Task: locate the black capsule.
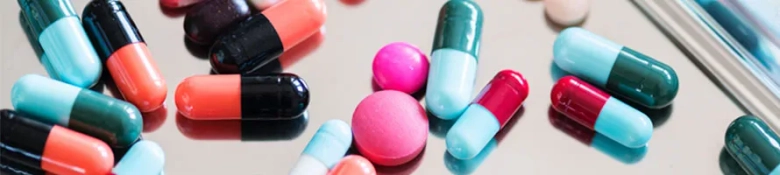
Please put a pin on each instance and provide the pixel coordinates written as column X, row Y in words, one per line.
column 207, row 20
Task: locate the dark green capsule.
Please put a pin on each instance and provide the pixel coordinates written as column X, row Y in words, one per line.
column 459, row 27
column 729, row 166
column 753, row 145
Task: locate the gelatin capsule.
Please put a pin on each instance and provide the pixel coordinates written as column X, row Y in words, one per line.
column 453, row 68
column 116, row 122
column 598, row 111
column 489, row 112
column 206, row 21
column 616, row 68
column 143, row 158
column 325, row 149
column 753, row 144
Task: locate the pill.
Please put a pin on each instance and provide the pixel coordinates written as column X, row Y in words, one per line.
column 34, row 42
column 206, row 21
column 263, row 37
column 453, row 68
column 489, row 112
column 353, row 165
column 143, row 158
column 598, row 111
column 52, row 148
column 70, row 56
column 179, row 3
column 618, row 69
column 753, row 145
column 120, row 45
column 400, row 66
column 593, row 139
column 729, row 166
column 390, row 127
column 325, row 149
column 116, row 122
column 567, row 12
column 243, row 130
column 12, row 167
column 279, row 96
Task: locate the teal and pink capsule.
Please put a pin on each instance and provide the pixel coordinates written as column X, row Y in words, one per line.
column 116, row 122
column 325, row 149
column 453, row 66
column 753, row 144
column 619, row 70
column 496, row 104
column 68, row 54
column 143, row 158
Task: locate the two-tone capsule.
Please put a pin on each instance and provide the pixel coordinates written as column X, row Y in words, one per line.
column 596, row 140
column 243, row 130
column 280, row 96
column 143, row 158
column 598, row 111
column 753, row 144
column 116, row 122
column 489, row 112
column 70, row 56
column 453, row 68
column 325, row 149
column 265, row 36
column 121, row 46
column 52, row 148
column 616, row 68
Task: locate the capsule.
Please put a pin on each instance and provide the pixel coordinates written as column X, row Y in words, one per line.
column 353, row 165
column 598, row 111
column 598, row 141
column 52, row 148
column 143, row 158
column 616, row 68
column 453, row 68
column 325, row 149
column 753, row 145
column 70, row 56
column 243, row 130
column 116, row 122
column 263, row 37
column 489, row 112
column 729, row 166
column 205, row 21
column 121, row 46
column 280, row 96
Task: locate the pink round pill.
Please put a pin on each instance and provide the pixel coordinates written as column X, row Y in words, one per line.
column 390, row 128
column 400, row 66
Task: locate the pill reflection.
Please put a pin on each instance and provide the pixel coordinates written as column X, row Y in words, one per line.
column 593, row 139
column 11, row 167
column 244, row 130
column 728, row 165
column 403, row 169
column 154, row 119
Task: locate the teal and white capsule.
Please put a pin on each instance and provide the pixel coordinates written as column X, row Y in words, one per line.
column 454, row 59
column 325, row 150
column 116, row 122
column 69, row 55
column 143, row 158
column 618, row 69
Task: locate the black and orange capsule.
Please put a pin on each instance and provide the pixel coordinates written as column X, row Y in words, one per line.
column 226, row 97
column 52, row 148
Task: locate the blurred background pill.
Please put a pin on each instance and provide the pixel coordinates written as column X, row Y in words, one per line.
column 567, row 12
column 206, row 21
column 179, row 3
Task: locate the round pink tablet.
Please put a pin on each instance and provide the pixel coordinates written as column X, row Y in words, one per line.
column 390, row 128
column 400, row 66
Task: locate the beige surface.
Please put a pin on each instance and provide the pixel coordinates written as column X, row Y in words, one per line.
column 515, row 36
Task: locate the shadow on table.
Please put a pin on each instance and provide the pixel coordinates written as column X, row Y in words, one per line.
column 243, row 130
column 419, row 95
column 594, row 139
column 657, row 116
column 468, row 166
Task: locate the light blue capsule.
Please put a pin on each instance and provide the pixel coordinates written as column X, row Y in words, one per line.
column 69, row 53
column 590, row 58
column 330, row 143
column 471, row 132
column 64, row 97
column 624, row 124
column 451, row 80
column 143, row 158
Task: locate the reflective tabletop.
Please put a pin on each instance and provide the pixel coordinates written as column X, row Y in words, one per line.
column 336, row 65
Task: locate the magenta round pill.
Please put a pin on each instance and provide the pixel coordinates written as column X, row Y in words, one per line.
column 390, row 128
column 400, row 66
